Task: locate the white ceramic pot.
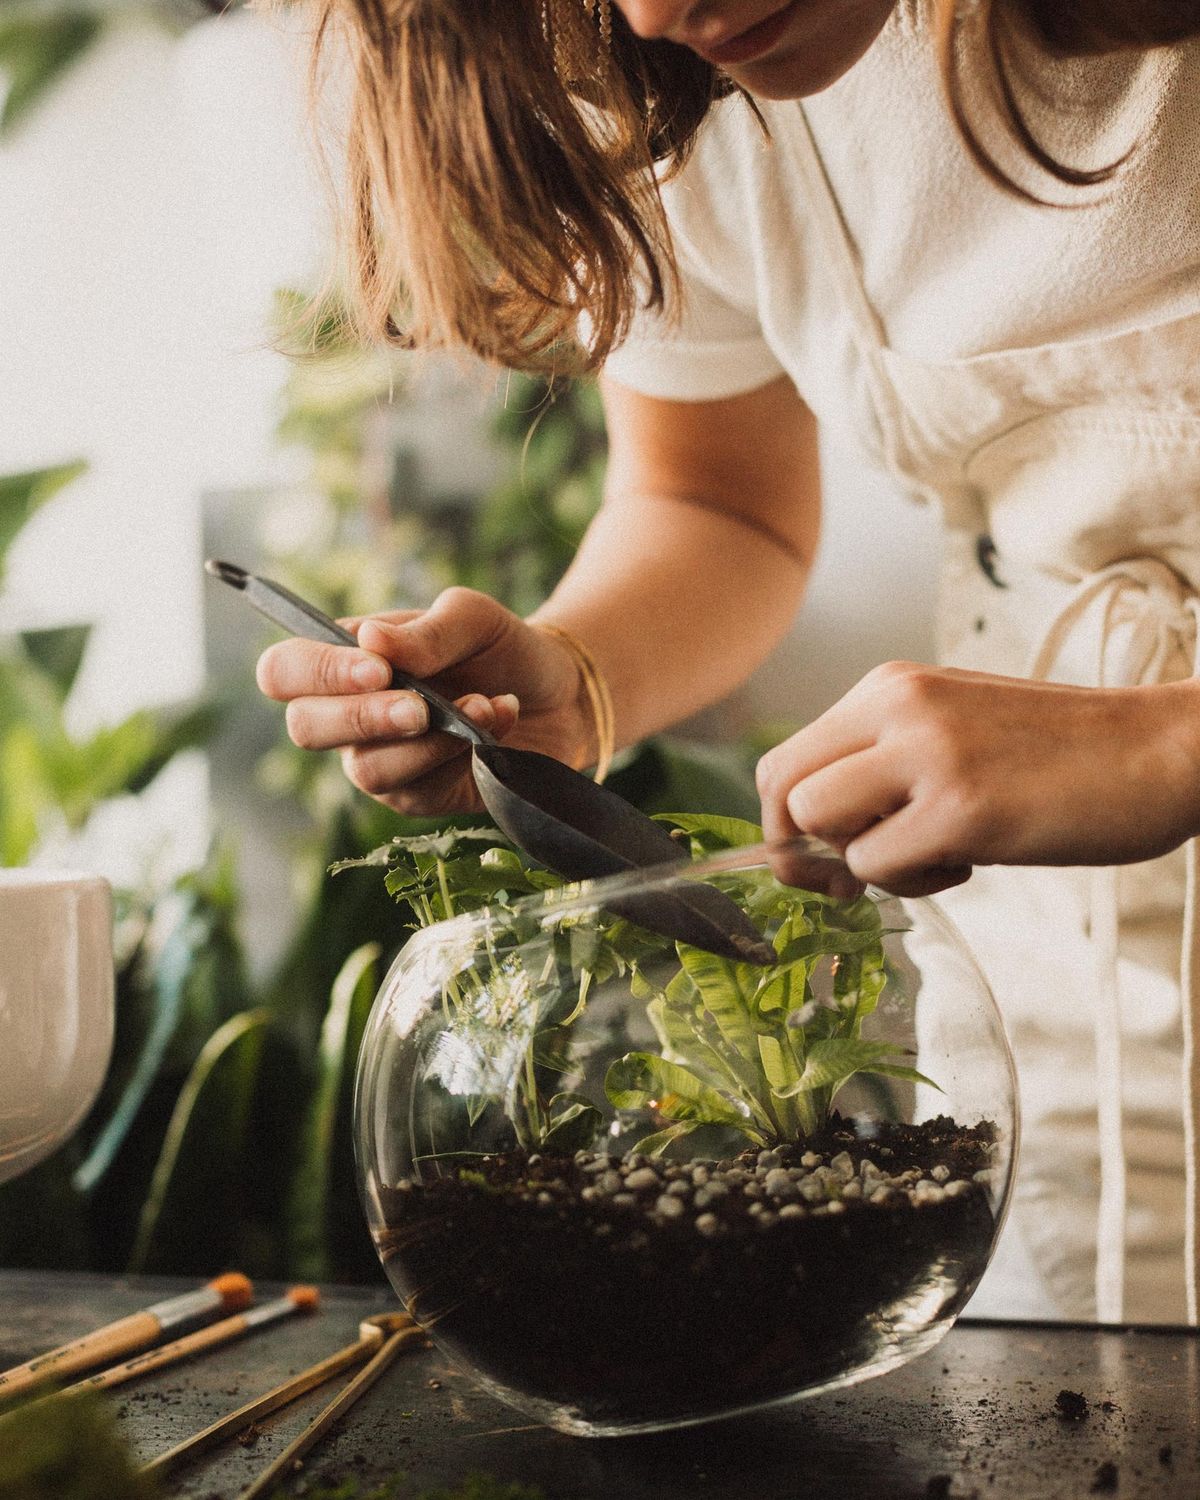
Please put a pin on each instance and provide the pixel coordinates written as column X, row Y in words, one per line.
column 56, row 1008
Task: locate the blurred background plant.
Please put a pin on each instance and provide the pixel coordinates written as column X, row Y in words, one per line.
column 41, row 39
column 226, row 1086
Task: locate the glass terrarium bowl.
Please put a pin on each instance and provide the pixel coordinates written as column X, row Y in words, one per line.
column 629, row 1184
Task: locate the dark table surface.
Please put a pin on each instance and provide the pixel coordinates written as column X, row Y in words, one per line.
column 976, row 1417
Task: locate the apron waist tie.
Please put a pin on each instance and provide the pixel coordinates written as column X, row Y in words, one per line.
column 1112, row 584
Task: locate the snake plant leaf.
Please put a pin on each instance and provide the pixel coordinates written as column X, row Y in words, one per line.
column 192, row 1215
column 324, row 1157
column 640, row 1080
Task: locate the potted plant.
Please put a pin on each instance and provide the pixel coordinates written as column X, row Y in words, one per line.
column 632, row 1184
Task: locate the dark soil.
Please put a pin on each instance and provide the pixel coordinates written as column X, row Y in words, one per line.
column 631, row 1292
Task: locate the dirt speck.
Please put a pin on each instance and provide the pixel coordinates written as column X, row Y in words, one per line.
column 1071, row 1406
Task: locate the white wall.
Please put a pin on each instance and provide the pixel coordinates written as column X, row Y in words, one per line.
column 147, row 212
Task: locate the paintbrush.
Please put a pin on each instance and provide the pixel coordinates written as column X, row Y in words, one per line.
column 297, row 1299
column 139, row 1330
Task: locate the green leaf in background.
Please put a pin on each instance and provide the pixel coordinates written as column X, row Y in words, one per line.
column 34, row 51
column 57, row 653
column 22, row 494
column 190, row 1218
column 67, row 1448
column 318, row 1209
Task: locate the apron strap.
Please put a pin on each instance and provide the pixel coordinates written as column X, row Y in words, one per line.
column 1190, row 989
column 1113, row 582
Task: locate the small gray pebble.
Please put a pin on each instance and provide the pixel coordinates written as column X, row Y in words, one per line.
column 736, row 1174
column 778, row 1181
column 928, row 1192
column 956, row 1189
column 769, row 1159
column 883, row 1194
column 842, row 1166
column 642, row 1179
column 708, row 1224
column 713, row 1193
column 810, row 1159
column 634, row 1159
column 624, row 1200
column 611, row 1182
column 680, row 1189
column 751, row 1190
column 600, row 1164
column 545, row 1200
column 811, row 1190
column 766, row 1219
column 699, row 1176
column 757, row 1208
column 668, row 1208
column 987, row 1176
column 852, row 1189
column 833, row 1208
column 792, row 1211
column 940, row 1174
column 590, row 1194
column 867, row 1168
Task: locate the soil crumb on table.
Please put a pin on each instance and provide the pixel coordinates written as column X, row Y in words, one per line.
column 1071, row 1406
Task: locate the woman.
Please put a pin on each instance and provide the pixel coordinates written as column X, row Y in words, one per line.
column 1000, row 298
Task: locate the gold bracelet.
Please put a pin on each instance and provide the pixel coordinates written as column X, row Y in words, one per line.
column 599, row 695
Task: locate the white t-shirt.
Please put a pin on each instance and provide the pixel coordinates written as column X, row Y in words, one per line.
column 952, row 264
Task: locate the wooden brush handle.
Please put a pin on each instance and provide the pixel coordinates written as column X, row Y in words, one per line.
column 169, row 1354
column 105, row 1344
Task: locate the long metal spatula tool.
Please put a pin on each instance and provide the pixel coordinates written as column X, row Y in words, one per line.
column 556, row 815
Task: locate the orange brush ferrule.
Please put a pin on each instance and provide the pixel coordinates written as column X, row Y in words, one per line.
column 137, row 1331
column 299, row 1299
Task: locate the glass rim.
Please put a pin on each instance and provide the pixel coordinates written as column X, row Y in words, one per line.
column 589, row 893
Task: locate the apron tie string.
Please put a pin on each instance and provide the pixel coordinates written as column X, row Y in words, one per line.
column 1114, row 583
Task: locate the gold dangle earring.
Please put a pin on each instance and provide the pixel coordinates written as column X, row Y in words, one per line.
column 600, row 11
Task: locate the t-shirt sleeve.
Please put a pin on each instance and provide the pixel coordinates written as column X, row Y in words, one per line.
column 713, row 348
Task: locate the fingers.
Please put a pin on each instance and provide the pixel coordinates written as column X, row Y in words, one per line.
column 842, row 800
column 298, row 668
column 358, row 718
column 911, row 853
column 406, row 775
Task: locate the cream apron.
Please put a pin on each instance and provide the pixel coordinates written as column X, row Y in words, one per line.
column 1069, row 479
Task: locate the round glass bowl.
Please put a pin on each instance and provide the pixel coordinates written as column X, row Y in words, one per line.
column 629, row 1184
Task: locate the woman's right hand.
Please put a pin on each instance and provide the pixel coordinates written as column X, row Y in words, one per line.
column 507, row 676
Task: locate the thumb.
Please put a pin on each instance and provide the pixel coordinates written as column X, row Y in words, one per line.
column 458, row 624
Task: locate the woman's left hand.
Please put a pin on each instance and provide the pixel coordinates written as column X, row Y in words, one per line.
column 919, row 773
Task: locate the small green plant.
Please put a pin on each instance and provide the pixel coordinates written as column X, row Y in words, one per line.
column 745, row 1047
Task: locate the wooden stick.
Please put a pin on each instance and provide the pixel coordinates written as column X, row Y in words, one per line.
column 406, row 1338
column 225, row 1294
column 298, row 1299
column 371, row 1336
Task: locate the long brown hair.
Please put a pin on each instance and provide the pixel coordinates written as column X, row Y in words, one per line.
column 503, row 164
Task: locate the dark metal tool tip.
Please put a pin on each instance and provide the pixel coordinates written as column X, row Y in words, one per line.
column 227, row 572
